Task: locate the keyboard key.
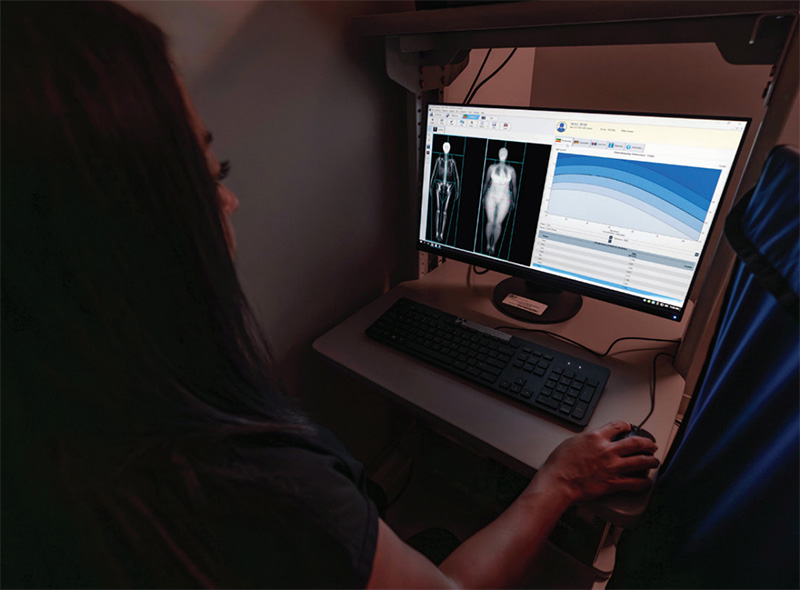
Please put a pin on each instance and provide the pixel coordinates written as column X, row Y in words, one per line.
column 490, row 369
column 497, row 363
column 546, row 401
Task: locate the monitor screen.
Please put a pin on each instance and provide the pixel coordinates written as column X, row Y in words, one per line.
column 615, row 206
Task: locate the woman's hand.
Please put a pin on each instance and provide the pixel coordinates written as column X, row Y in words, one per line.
column 590, row 464
column 500, row 555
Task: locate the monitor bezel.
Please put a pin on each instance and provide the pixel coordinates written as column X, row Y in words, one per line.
column 554, row 282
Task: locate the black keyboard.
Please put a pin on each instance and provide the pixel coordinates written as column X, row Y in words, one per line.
column 550, row 381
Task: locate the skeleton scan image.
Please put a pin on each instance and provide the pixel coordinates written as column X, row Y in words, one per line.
column 477, row 189
column 444, row 190
column 499, row 194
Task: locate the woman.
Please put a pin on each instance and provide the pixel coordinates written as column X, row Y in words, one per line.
column 144, row 441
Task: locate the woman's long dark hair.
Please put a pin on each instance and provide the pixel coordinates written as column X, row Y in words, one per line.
column 123, row 320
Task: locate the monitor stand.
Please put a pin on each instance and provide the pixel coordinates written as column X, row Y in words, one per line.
column 561, row 305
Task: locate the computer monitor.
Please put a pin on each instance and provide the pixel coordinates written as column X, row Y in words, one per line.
column 615, row 206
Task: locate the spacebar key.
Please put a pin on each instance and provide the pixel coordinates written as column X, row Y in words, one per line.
column 429, row 355
column 488, row 377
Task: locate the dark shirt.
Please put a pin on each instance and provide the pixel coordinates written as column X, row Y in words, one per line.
column 249, row 511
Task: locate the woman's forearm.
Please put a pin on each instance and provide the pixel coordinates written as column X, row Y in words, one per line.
column 500, row 554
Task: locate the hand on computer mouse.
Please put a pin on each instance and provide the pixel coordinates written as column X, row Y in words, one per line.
column 634, row 431
column 593, row 464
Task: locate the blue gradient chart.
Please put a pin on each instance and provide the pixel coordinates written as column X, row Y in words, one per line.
column 664, row 199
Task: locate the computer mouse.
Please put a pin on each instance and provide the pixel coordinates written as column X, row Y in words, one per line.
column 634, row 431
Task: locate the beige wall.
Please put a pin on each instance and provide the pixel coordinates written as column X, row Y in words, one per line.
column 315, row 134
column 510, row 87
column 681, row 78
column 791, row 131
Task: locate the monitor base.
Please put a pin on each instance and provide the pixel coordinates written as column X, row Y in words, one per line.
column 561, row 305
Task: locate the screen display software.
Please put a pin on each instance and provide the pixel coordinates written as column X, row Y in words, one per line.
column 618, row 202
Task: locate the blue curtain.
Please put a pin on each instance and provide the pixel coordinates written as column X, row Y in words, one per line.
column 725, row 511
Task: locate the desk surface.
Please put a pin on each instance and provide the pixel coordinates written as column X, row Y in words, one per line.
column 521, row 436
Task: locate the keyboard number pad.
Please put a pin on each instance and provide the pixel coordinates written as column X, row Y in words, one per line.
column 568, row 393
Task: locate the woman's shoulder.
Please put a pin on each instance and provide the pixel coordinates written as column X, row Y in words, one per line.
column 292, row 468
column 272, row 510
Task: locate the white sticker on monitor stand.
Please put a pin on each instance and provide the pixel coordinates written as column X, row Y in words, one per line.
column 524, row 304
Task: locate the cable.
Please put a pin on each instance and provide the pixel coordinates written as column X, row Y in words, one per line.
column 636, row 338
column 489, row 77
column 478, row 75
column 472, row 269
column 608, row 350
column 653, row 387
column 586, row 348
